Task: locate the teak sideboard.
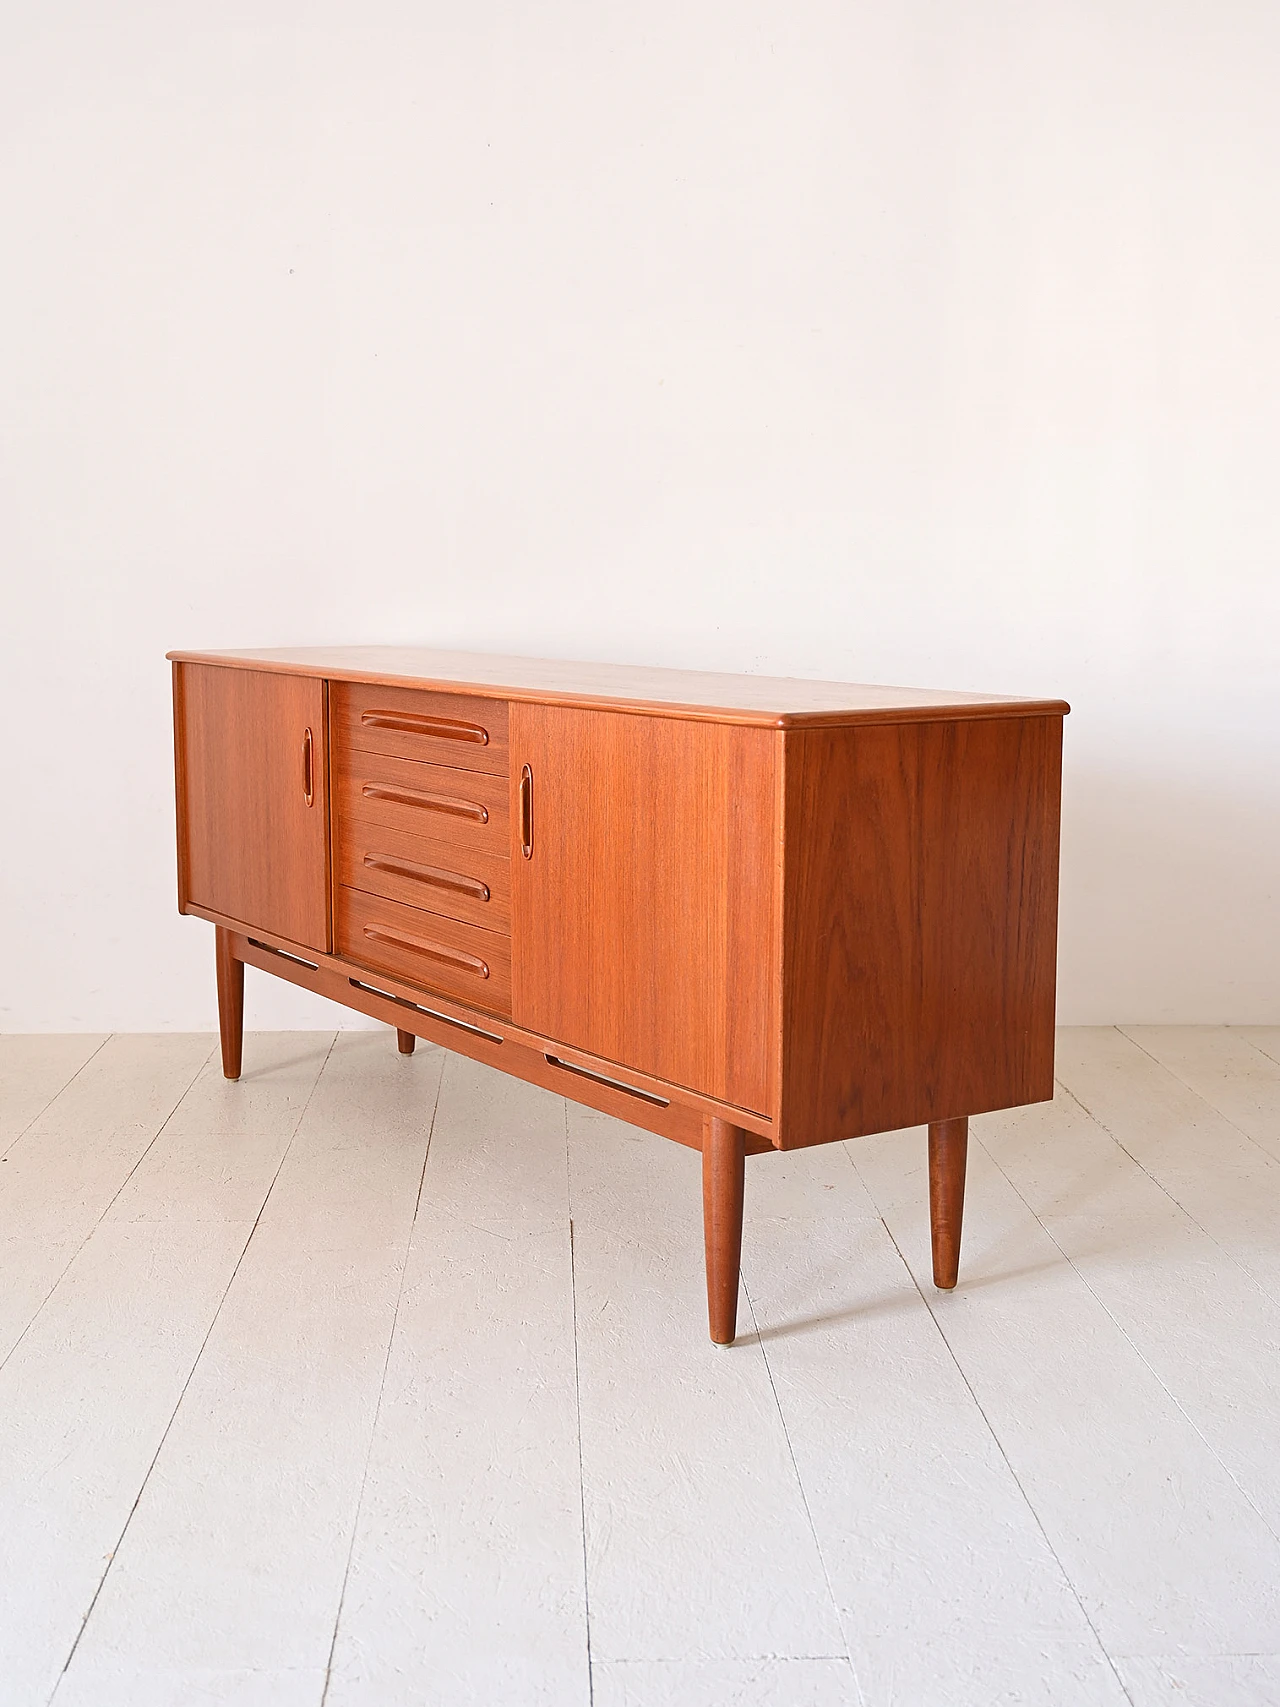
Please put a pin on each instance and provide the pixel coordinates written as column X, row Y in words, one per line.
column 747, row 914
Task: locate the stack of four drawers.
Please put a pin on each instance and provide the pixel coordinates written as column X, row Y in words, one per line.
column 421, row 842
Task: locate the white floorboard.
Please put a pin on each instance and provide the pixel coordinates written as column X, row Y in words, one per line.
column 466, row 1578
column 727, row 1683
column 1235, row 1069
column 306, row 1402
column 234, row 1558
column 948, row 1590
column 1226, row 1181
column 149, row 1685
column 1264, row 1038
column 699, row 1539
column 129, row 1087
column 1228, row 1680
column 1209, row 1332
column 1164, row 1550
column 84, row 1403
column 33, row 1069
column 59, row 1177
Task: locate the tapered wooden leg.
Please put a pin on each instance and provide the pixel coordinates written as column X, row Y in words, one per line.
column 948, row 1149
column 723, row 1159
column 405, row 1041
column 230, row 1003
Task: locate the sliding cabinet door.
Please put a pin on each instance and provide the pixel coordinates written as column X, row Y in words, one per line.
column 644, row 913
column 253, row 779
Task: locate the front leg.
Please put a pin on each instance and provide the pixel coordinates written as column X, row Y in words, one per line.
column 723, row 1170
column 230, row 1003
column 948, row 1152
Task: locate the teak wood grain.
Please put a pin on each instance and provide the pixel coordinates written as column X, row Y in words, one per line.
column 437, row 876
column 430, row 951
column 736, row 912
column 487, row 1039
column 948, row 1155
column 642, row 922
column 229, row 972
column 920, row 923
column 459, row 730
column 723, row 1180
column 253, row 845
column 344, row 981
column 467, row 809
column 773, row 700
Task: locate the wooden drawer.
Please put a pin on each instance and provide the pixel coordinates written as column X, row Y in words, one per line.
column 460, row 883
column 467, row 809
column 425, row 950
column 459, row 730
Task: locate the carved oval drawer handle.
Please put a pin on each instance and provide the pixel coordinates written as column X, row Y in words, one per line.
column 433, row 802
column 432, row 874
column 410, row 723
column 435, row 950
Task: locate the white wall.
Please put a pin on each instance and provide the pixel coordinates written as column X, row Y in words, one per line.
column 886, row 341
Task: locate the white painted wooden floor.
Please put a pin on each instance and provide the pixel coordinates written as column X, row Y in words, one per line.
column 376, row 1380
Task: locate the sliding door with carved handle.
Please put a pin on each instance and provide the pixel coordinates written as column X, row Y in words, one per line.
column 643, row 878
column 252, row 762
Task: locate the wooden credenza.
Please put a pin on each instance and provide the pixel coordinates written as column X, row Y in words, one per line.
column 747, row 914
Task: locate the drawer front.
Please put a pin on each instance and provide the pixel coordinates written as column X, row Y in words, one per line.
column 425, row 950
column 439, row 877
column 439, row 728
column 467, row 809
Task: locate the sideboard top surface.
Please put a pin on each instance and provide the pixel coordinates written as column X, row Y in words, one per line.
column 775, row 701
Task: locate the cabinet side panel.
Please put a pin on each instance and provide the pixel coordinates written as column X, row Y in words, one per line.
column 920, row 923
column 255, row 849
column 642, row 924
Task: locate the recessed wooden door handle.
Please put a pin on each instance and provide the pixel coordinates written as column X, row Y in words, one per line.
column 410, row 723
column 604, row 1079
column 526, row 812
column 308, row 779
column 428, row 874
column 420, row 945
column 435, row 802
